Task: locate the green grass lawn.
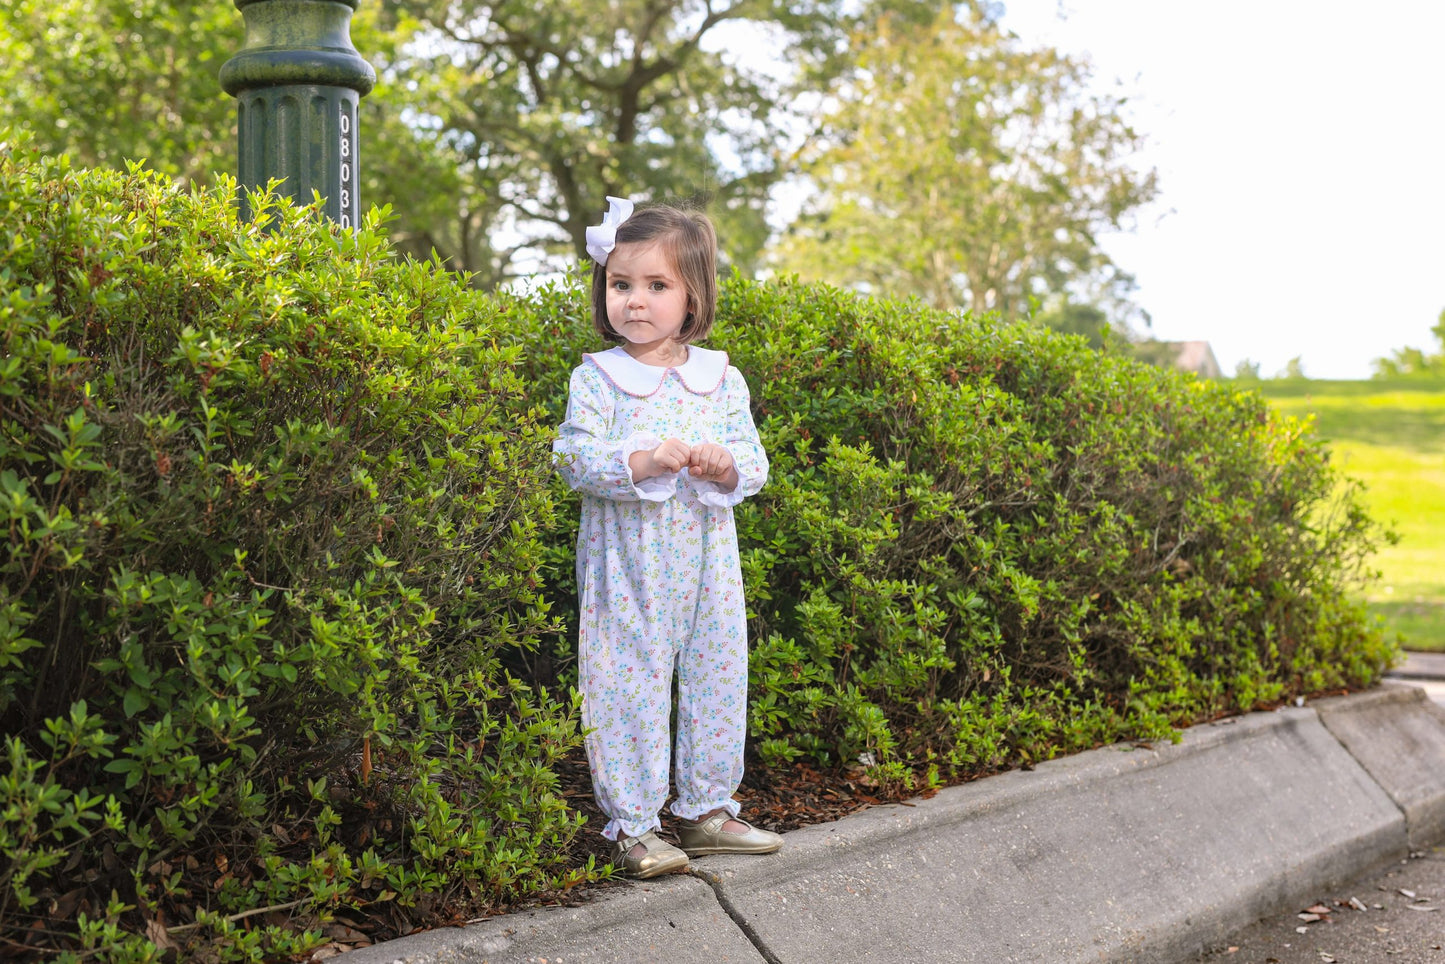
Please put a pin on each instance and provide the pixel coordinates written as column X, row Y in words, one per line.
column 1391, row 436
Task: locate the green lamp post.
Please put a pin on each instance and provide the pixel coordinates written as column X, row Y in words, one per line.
column 297, row 83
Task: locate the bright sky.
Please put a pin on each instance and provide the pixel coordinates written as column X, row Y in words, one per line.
column 1300, row 146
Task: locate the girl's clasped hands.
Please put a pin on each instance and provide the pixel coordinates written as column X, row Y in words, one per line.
column 706, row 462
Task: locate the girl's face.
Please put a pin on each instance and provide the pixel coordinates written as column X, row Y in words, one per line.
column 646, row 302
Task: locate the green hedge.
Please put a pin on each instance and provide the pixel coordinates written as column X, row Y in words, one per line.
column 983, row 545
column 273, row 501
column 288, row 600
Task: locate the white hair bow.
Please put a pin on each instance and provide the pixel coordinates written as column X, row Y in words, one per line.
column 602, row 238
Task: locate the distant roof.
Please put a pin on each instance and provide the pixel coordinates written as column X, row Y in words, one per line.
column 1195, row 356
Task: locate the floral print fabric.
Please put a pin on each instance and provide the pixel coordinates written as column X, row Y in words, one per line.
column 659, row 584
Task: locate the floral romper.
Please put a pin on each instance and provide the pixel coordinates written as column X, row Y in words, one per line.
column 659, row 583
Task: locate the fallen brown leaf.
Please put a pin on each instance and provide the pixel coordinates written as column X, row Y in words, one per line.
column 345, row 934
column 157, row 934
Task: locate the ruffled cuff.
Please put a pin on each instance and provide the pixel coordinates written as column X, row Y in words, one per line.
column 694, row 812
column 659, row 488
column 712, row 494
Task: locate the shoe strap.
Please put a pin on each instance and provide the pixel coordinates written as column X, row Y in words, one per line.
column 652, row 845
column 717, row 821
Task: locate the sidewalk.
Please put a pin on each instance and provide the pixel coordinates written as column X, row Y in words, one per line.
column 1427, row 666
column 1126, row 853
column 1425, row 670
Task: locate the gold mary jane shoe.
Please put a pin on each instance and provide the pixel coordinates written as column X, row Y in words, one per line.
column 658, row 857
column 707, row 836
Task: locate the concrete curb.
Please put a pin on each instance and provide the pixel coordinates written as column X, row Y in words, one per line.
column 644, row 921
column 1117, row 854
column 1398, row 735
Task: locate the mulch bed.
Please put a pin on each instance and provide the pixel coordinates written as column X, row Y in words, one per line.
column 778, row 800
column 774, row 799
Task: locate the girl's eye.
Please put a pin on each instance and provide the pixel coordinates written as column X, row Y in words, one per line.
column 620, row 285
column 659, row 286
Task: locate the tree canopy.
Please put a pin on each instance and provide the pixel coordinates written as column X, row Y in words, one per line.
column 949, row 161
column 528, row 116
column 1415, row 361
column 114, row 80
column 957, row 165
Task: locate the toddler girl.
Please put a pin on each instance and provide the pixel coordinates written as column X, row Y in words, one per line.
column 661, row 444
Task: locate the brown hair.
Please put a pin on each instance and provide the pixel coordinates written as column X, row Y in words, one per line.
column 691, row 244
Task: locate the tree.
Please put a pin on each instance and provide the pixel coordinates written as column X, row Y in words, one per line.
column 111, row 80
column 1294, row 370
column 1087, row 321
column 961, row 167
column 497, row 126
column 1414, row 361
column 522, row 117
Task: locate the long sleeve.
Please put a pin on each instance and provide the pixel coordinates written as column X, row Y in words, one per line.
column 740, row 438
column 590, row 461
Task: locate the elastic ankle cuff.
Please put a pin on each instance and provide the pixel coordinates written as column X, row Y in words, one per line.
column 732, row 807
column 617, row 829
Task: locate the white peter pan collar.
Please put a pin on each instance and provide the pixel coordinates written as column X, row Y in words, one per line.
column 701, row 374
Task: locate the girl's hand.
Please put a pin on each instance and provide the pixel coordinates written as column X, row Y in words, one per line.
column 667, row 458
column 713, row 463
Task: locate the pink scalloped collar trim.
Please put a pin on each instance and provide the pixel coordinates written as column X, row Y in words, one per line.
column 702, row 374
